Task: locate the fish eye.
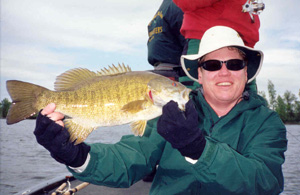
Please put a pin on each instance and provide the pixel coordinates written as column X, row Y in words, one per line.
column 174, row 84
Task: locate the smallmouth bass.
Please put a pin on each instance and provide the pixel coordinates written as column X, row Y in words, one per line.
column 109, row 97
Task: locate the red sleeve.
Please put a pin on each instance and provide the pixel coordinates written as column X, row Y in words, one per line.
column 192, row 5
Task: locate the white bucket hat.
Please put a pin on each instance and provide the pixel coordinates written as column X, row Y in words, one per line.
column 218, row 37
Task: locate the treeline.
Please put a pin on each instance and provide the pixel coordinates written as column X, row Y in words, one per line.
column 287, row 106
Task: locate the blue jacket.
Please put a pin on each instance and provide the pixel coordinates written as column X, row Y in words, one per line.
column 165, row 43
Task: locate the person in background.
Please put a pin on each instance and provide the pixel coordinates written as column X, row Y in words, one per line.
column 227, row 141
column 202, row 15
column 165, row 43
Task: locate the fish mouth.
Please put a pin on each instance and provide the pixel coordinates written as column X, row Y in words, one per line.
column 185, row 99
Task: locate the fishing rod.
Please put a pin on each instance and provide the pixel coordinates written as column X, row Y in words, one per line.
column 65, row 188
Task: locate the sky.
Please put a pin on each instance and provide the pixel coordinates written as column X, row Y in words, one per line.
column 42, row 39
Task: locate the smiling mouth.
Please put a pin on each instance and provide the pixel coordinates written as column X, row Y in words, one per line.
column 224, row 84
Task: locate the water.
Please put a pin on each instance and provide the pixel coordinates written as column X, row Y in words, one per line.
column 24, row 163
column 291, row 167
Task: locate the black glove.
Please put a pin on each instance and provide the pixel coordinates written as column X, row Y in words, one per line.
column 55, row 139
column 181, row 129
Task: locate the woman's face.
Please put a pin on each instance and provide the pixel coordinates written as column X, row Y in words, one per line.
column 223, row 86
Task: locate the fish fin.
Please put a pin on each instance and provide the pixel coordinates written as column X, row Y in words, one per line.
column 138, row 127
column 24, row 96
column 78, row 132
column 114, row 70
column 75, row 78
column 136, row 106
column 72, row 79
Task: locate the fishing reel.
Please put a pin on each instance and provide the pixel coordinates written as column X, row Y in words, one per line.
column 253, row 7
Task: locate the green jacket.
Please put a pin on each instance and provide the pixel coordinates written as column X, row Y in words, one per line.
column 243, row 155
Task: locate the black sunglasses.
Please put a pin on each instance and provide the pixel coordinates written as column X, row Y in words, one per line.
column 213, row 65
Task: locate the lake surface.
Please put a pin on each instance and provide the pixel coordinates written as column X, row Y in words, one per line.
column 24, row 163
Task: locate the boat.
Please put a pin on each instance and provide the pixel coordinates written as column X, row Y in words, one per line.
column 64, row 185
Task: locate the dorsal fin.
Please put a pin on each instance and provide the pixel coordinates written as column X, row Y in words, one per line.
column 74, row 78
column 114, row 70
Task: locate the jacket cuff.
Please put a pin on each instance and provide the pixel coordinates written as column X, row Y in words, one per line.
column 83, row 167
column 192, row 161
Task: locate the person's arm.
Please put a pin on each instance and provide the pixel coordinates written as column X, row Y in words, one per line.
column 256, row 169
column 124, row 163
column 116, row 165
column 51, row 134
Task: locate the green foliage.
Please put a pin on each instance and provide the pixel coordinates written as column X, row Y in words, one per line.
column 281, row 109
column 272, row 95
column 289, row 100
column 4, row 107
column 297, row 110
column 287, row 106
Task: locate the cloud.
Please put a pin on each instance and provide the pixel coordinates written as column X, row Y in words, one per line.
column 281, row 66
column 289, row 57
column 279, row 23
column 102, row 25
column 32, row 57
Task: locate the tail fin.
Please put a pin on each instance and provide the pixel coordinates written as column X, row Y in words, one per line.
column 24, row 96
